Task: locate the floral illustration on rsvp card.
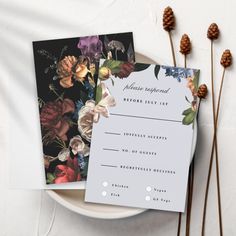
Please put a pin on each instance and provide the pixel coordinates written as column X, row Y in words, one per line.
column 142, row 135
column 66, row 72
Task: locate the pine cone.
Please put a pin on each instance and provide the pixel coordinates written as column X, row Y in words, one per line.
column 168, row 19
column 202, row 91
column 185, row 45
column 226, row 58
column 213, row 31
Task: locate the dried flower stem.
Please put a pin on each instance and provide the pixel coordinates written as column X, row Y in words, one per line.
column 172, row 48
column 214, row 147
column 217, row 159
column 179, row 224
column 180, row 213
column 190, row 195
column 191, row 185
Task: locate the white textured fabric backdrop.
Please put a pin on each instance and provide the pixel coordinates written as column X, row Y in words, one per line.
column 23, row 21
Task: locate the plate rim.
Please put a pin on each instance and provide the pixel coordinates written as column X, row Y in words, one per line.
column 93, row 214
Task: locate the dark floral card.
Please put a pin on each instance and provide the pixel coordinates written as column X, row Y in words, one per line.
column 66, row 74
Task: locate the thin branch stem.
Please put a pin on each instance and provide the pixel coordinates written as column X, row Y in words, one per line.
column 211, row 159
column 191, row 185
column 187, row 229
column 185, row 60
column 180, row 213
column 214, row 147
column 217, row 161
column 190, row 194
column 172, row 48
column 179, row 224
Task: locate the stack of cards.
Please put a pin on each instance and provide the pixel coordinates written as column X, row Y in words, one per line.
column 125, row 127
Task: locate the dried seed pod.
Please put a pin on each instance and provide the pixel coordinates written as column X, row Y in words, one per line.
column 213, row 31
column 226, row 58
column 185, row 44
column 202, row 91
column 168, row 19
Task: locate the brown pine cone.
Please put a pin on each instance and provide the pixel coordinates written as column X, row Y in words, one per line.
column 168, row 19
column 202, row 91
column 226, row 58
column 213, row 31
column 185, row 45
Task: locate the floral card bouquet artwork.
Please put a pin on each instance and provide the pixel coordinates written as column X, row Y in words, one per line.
column 66, row 74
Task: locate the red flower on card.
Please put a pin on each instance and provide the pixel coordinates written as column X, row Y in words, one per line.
column 67, row 173
column 125, row 70
column 53, row 119
column 64, row 174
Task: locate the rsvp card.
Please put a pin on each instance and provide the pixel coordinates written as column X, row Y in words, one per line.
column 142, row 135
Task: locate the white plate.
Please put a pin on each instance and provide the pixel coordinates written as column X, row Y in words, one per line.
column 74, row 199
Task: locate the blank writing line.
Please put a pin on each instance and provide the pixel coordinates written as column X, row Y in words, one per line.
column 144, row 117
column 108, row 166
column 110, row 149
column 112, row 133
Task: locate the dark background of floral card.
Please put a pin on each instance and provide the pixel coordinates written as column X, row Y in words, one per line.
column 47, row 55
column 55, row 47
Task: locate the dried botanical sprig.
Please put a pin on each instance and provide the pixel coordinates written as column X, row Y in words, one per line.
column 226, row 58
column 226, row 61
column 202, row 91
column 185, row 44
column 213, row 31
column 169, row 25
column 202, row 94
column 185, row 47
column 168, row 19
column 212, row 34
